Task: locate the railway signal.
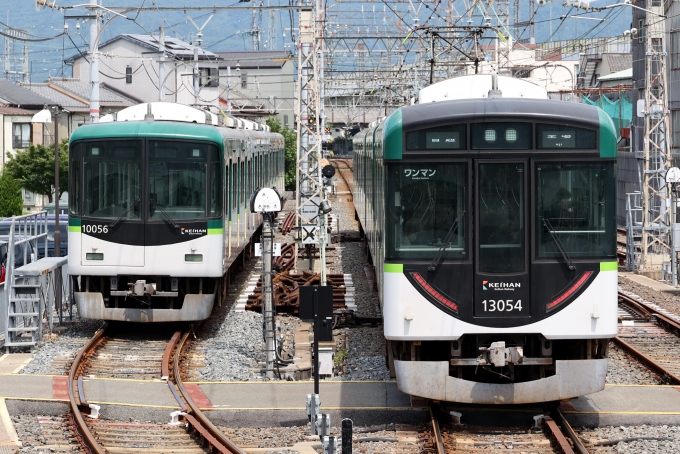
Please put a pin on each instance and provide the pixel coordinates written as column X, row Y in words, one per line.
column 267, row 202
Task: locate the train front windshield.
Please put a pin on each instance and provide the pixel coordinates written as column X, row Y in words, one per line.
column 183, row 181
column 426, row 205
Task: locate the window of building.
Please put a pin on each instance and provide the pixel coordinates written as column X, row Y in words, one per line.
column 244, row 80
column 675, row 120
column 128, row 75
column 21, row 135
column 642, row 31
column 285, row 120
column 675, row 49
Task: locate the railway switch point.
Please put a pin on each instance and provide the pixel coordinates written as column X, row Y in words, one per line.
column 455, row 417
column 330, row 445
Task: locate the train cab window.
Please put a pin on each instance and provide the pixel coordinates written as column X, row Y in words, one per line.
column 500, row 205
column 575, row 206
column 500, row 136
column 112, row 178
column 450, row 137
column 178, row 174
column 426, row 210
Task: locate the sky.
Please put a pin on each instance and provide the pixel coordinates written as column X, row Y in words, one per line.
column 227, row 30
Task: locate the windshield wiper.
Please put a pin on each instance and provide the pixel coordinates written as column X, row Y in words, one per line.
column 115, row 223
column 557, row 241
column 440, row 254
column 170, row 220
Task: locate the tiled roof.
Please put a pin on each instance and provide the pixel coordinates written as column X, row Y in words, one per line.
column 263, row 59
column 56, row 97
column 619, row 62
column 173, row 46
column 74, row 94
column 14, row 94
column 82, row 90
column 16, row 111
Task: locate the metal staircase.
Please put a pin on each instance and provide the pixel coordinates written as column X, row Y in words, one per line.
column 24, row 311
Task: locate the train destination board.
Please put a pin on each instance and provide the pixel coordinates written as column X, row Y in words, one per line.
column 558, row 139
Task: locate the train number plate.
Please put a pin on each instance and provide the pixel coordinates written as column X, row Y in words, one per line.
column 501, row 308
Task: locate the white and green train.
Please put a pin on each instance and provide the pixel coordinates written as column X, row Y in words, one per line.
column 158, row 209
column 490, row 219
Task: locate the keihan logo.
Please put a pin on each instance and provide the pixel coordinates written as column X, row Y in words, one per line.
column 184, row 231
column 484, row 285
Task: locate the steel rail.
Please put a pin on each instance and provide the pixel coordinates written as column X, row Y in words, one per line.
column 437, row 433
column 556, row 433
column 649, row 311
column 84, row 433
column 218, row 442
column 566, row 427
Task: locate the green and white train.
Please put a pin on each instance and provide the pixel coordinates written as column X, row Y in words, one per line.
column 489, row 211
column 158, row 209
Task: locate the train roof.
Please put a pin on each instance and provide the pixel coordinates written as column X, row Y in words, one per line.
column 477, row 86
column 431, row 114
column 155, row 129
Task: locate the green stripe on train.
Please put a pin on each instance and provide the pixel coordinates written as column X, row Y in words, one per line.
column 608, row 135
column 394, row 267
column 75, row 221
column 609, row 266
column 74, row 228
column 219, row 231
column 393, row 146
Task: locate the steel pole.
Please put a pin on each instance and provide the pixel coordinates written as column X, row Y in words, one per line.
column 57, row 232
column 268, row 306
column 94, row 65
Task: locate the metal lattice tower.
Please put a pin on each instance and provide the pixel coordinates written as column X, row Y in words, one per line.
column 520, row 26
column 308, row 112
column 656, row 218
column 15, row 68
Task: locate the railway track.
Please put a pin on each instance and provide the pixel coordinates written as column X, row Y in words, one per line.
column 553, row 435
column 650, row 336
column 344, row 167
column 193, row 433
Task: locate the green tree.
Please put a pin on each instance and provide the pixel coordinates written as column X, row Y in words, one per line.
column 290, row 144
column 11, row 202
column 33, row 168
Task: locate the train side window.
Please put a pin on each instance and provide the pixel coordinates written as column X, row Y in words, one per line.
column 75, row 175
column 575, row 205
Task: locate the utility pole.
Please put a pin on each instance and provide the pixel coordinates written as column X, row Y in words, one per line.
column 656, row 219
column 94, row 63
column 161, row 64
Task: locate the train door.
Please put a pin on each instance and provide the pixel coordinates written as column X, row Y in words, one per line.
column 501, row 254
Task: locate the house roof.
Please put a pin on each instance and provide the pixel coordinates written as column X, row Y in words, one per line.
column 18, row 96
column 16, row 111
column 619, row 75
column 619, row 62
column 262, row 59
column 57, row 97
column 74, row 94
column 173, row 46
